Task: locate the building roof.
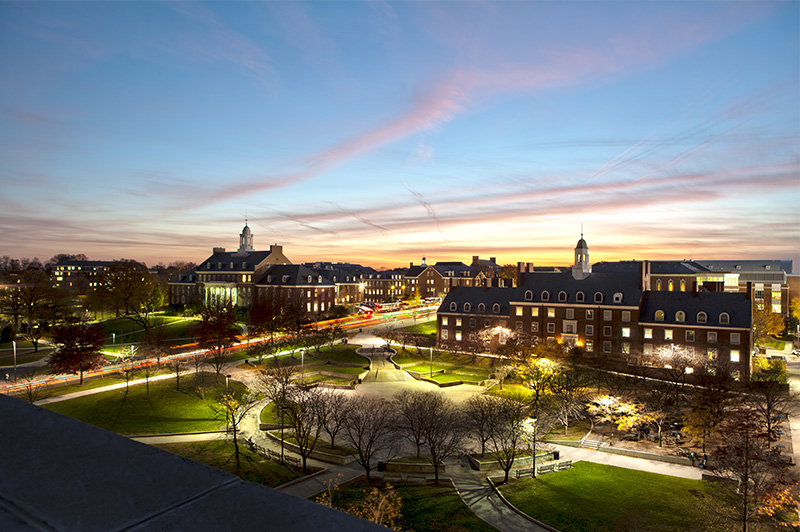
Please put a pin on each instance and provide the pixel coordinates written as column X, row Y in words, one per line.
column 475, row 295
column 340, row 272
column 232, row 261
column 187, row 278
column 453, row 269
column 292, row 275
column 57, row 473
column 736, row 305
column 657, row 267
column 752, row 270
column 607, row 284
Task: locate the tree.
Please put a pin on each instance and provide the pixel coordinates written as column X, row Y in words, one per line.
column 766, row 324
column 127, row 368
column 334, row 412
column 507, row 433
column 412, row 409
column 35, row 302
column 306, row 417
column 710, row 406
column 537, row 374
column 235, row 404
column 482, row 413
column 79, row 347
column 217, row 331
column 34, row 387
column 616, row 411
column 772, row 400
column 275, row 383
column 674, row 361
column 568, row 395
column 761, row 489
column 177, row 364
column 509, row 271
column 443, row 430
column 369, row 428
column 379, row 506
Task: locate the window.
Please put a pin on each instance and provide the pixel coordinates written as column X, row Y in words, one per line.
column 606, row 315
column 702, row 317
column 467, row 307
column 734, row 355
column 551, row 313
column 606, row 331
column 667, row 334
column 496, row 308
column 519, row 311
column 735, row 338
column 535, row 312
column 481, row 308
column 598, row 297
column 683, row 285
column 626, row 332
column 680, row 316
column 444, row 320
column 570, row 313
column 589, row 314
column 606, row 347
column 458, row 336
column 626, row 348
column 659, row 315
column 545, row 296
column 647, row 349
column 712, row 337
column 690, row 336
column 658, row 285
column 570, row 326
column 671, row 286
column 458, row 322
column 724, row 318
column 528, row 295
column 648, row 333
column 589, row 346
column 562, row 296
column 518, row 326
column 618, row 297
column 626, row 315
column 579, row 297
column 551, row 327
column 453, row 306
column 472, row 322
column 711, row 353
column 590, row 330
column 534, row 327
column 444, row 334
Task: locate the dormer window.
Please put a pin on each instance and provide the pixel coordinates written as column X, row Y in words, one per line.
column 269, row 278
column 285, row 278
column 528, row 295
column 562, row 296
column 598, row 297
column 481, row 307
column 219, row 265
column 467, row 307
column 209, row 266
column 231, row 265
column 319, row 279
column 659, row 315
column 244, row 265
column 496, row 308
column 724, row 318
column 309, row 279
column 617, row 297
column 579, row 297
column 702, row 317
column 453, row 306
column 680, row 316
column 545, row 296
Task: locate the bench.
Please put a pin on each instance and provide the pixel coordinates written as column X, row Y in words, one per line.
column 522, row 473
column 566, row 464
column 548, row 468
column 392, row 478
column 292, row 460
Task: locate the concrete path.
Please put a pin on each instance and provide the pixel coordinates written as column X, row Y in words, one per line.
column 158, row 439
column 333, row 476
column 628, row 462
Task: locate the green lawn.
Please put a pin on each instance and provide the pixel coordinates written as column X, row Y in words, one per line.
column 422, row 328
column 577, row 429
column 342, row 353
column 345, row 370
column 328, row 380
column 92, row 382
column 220, row 454
column 453, row 377
column 600, row 498
column 424, row 507
column 510, row 390
column 167, row 410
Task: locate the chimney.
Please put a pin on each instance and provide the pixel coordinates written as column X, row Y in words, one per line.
column 492, row 259
column 521, row 267
column 275, row 248
column 218, row 250
column 530, row 267
column 475, row 259
column 410, row 264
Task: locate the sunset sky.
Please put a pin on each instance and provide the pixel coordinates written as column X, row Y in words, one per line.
column 380, row 132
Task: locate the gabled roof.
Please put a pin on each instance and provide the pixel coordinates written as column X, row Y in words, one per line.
column 340, row 272
column 475, row 295
column 749, row 266
column 657, row 267
column 736, row 305
column 459, row 269
column 188, row 277
column 292, row 275
column 416, row 270
column 606, row 284
column 232, row 261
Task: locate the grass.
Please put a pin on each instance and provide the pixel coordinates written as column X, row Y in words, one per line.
column 600, row 498
column 510, row 390
column 328, row 380
column 92, row 383
column 344, row 370
column 342, row 353
column 168, row 329
column 220, row 454
column 424, row 507
column 321, row 445
column 577, row 429
column 25, row 353
column 167, row 410
column 422, row 328
column 453, row 377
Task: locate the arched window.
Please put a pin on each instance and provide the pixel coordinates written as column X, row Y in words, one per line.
column 467, row 307
column 453, row 306
column 579, row 297
column 702, row 317
column 562, row 296
column 680, row 316
column 598, row 297
column 671, row 286
column 658, row 285
column 309, row 279
column 617, row 297
column 683, row 285
column 496, row 308
column 545, row 296
column 528, row 295
column 724, row 318
column 481, row 307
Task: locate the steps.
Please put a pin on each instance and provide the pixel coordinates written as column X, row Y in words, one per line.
column 593, row 445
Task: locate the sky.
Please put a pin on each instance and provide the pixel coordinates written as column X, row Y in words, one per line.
column 383, row 132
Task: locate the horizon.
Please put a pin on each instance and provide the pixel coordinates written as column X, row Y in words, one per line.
column 381, row 133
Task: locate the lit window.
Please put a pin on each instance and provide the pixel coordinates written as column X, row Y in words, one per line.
column 680, row 316
column 589, row 346
column 458, row 322
column 658, row 285
column 444, row 334
column 648, row 332
column 626, row 332
column 711, row 354
column 659, row 315
column 458, row 336
column 667, row 334
column 589, row 314
column 671, row 286
column 683, row 285
column 551, row 313
column 712, row 337
column 647, row 349
column 535, row 312
column 626, row 348
column 519, row 311
column 534, row 327
column 444, row 320
column 690, row 336
column 734, row 355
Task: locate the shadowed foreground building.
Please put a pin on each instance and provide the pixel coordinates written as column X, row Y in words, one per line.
column 60, row 474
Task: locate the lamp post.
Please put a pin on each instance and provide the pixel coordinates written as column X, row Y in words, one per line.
column 14, row 345
column 529, row 426
column 302, row 365
column 431, row 362
column 227, row 379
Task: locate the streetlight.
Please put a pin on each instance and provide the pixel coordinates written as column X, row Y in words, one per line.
column 302, row 363
column 14, row 344
column 529, row 427
column 431, row 362
column 227, row 379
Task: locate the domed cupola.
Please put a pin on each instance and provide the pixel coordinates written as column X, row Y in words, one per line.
column 581, row 269
column 245, row 241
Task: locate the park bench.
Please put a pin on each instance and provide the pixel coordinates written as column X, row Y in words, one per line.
column 388, row 477
column 292, row 460
column 546, row 468
column 522, row 473
column 566, row 464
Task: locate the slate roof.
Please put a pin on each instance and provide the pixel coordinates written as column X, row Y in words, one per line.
column 292, row 275
column 340, row 272
column 657, row 267
column 736, row 305
column 57, row 473
column 415, row 271
column 459, row 269
column 749, row 266
column 475, row 295
column 607, row 284
column 188, row 277
column 231, row 261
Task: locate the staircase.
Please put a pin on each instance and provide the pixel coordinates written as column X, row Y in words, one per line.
column 591, row 444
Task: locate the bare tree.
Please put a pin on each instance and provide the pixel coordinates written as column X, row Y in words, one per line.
column 412, row 408
column 306, row 417
column 507, row 434
column 443, row 430
column 773, row 400
column 369, row 428
column 79, row 348
column 34, row 388
column 217, row 331
column 569, row 396
column 334, row 412
column 127, row 369
column 235, row 404
column 481, row 415
column 275, row 383
column 177, row 364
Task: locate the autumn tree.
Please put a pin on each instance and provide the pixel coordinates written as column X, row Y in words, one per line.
column 217, row 331
column 235, row 404
column 616, row 412
column 78, row 350
column 766, row 324
column 381, row 506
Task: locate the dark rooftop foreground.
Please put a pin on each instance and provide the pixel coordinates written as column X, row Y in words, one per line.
column 57, row 473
